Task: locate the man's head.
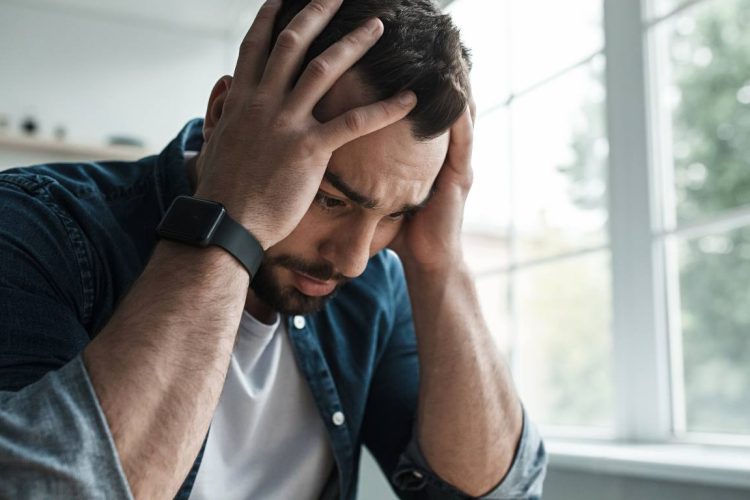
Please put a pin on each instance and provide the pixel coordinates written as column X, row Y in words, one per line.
column 420, row 50
column 374, row 183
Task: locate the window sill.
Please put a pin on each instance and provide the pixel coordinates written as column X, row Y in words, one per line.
column 672, row 462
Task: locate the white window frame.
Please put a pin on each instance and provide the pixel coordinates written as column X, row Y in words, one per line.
column 649, row 438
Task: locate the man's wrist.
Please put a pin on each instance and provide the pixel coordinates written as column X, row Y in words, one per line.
column 435, row 270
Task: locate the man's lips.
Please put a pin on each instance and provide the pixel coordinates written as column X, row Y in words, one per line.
column 312, row 287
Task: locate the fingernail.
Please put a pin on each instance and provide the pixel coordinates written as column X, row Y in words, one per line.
column 407, row 98
column 373, row 25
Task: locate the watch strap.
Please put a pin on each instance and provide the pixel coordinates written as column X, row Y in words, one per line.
column 238, row 241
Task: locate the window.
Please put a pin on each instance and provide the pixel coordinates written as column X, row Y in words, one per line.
column 609, row 225
column 704, row 132
column 536, row 220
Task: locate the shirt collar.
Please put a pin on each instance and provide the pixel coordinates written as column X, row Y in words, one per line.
column 171, row 174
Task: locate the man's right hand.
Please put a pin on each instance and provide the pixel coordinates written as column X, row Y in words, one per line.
column 265, row 155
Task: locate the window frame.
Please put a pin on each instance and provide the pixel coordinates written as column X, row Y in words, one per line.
column 647, row 370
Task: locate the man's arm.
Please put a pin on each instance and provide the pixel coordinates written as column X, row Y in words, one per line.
column 469, row 415
column 470, row 419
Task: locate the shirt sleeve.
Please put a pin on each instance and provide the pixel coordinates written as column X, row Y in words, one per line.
column 390, row 422
column 523, row 481
column 54, row 440
column 55, row 443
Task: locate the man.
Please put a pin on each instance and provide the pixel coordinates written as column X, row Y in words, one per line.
column 323, row 153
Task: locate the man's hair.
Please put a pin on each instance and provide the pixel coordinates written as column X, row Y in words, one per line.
column 419, row 50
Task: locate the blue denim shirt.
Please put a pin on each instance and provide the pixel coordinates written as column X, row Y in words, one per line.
column 74, row 237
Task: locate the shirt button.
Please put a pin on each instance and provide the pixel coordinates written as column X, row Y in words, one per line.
column 299, row 322
column 338, row 418
column 417, row 474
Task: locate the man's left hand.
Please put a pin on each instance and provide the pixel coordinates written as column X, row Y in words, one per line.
column 431, row 239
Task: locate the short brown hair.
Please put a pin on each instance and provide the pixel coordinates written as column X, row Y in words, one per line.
column 419, row 50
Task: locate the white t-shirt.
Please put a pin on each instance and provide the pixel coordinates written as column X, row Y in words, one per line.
column 267, row 439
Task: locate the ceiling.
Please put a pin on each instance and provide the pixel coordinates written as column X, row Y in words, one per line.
column 212, row 17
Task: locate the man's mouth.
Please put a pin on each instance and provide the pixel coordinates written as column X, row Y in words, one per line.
column 311, row 286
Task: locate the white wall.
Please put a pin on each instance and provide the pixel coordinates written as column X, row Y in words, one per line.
column 100, row 76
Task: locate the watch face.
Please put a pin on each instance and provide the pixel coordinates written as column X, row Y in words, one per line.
column 191, row 220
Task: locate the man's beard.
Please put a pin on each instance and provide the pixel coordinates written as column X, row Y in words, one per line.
column 287, row 299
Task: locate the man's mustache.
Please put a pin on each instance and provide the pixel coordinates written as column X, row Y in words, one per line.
column 322, row 271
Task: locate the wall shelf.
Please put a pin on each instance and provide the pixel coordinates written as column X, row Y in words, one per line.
column 68, row 150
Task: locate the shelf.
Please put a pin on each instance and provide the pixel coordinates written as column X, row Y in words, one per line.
column 70, row 150
column 720, row 466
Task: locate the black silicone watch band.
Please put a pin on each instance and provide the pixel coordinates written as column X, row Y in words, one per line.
column 238, row 241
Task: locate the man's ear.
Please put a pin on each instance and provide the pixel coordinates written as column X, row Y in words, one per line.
column 216, row 105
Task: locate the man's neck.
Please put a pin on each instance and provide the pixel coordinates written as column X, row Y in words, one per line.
column 259, row 309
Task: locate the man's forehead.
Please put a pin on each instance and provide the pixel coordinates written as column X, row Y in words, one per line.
column 388, row 163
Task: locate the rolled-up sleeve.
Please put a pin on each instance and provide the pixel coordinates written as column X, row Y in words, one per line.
column 54, row 439
column 523, row 481
column 55, row 443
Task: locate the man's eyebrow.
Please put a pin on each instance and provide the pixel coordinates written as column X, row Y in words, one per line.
column 350, row 193
column 369, row 203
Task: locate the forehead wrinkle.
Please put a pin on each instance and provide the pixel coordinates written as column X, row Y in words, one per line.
column 372, row 203
column 350, row 193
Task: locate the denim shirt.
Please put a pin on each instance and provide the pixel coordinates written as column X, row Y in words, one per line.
column 74, row 237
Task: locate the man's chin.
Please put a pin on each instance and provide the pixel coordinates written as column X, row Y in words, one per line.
column 286, row 299
column 291, row 301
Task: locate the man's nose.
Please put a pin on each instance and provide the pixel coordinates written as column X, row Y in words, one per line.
column 348, row 249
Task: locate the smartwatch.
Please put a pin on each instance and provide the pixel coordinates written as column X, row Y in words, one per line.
column 201, row 223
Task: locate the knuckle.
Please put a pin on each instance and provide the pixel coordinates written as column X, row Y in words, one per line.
column 249, row 45
column 319, row 67
column 317, row 7
column 352, row 39
column 355, row 121
column 256, row 104
column 267, row 12
column 385, row 109
column 288, row 39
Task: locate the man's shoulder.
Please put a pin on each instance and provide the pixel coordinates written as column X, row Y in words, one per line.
column 106, row 179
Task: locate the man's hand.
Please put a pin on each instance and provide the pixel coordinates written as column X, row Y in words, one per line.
column 431, row 240
column 469, row 417
column 266, row 156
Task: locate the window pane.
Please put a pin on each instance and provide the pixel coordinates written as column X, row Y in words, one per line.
column 493, row 298
column 484, row 30
column 714, row 277
column 548, row 36
column 485, row 253
column 559, row 163
column 563, row 320
column 709, row 91
column 487, row 213
column 659, row 8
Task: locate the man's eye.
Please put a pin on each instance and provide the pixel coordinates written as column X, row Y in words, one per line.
column 397, row 216
column 327, row 202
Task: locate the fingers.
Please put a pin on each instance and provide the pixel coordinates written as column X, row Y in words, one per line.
column 459, row 148
column 327, row 68
column 365, row 120
column 255, row 46
column 292, row 43
column 473, row 111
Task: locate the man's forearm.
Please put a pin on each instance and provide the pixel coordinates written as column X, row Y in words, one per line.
column 469, row 417
column 159, row 365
